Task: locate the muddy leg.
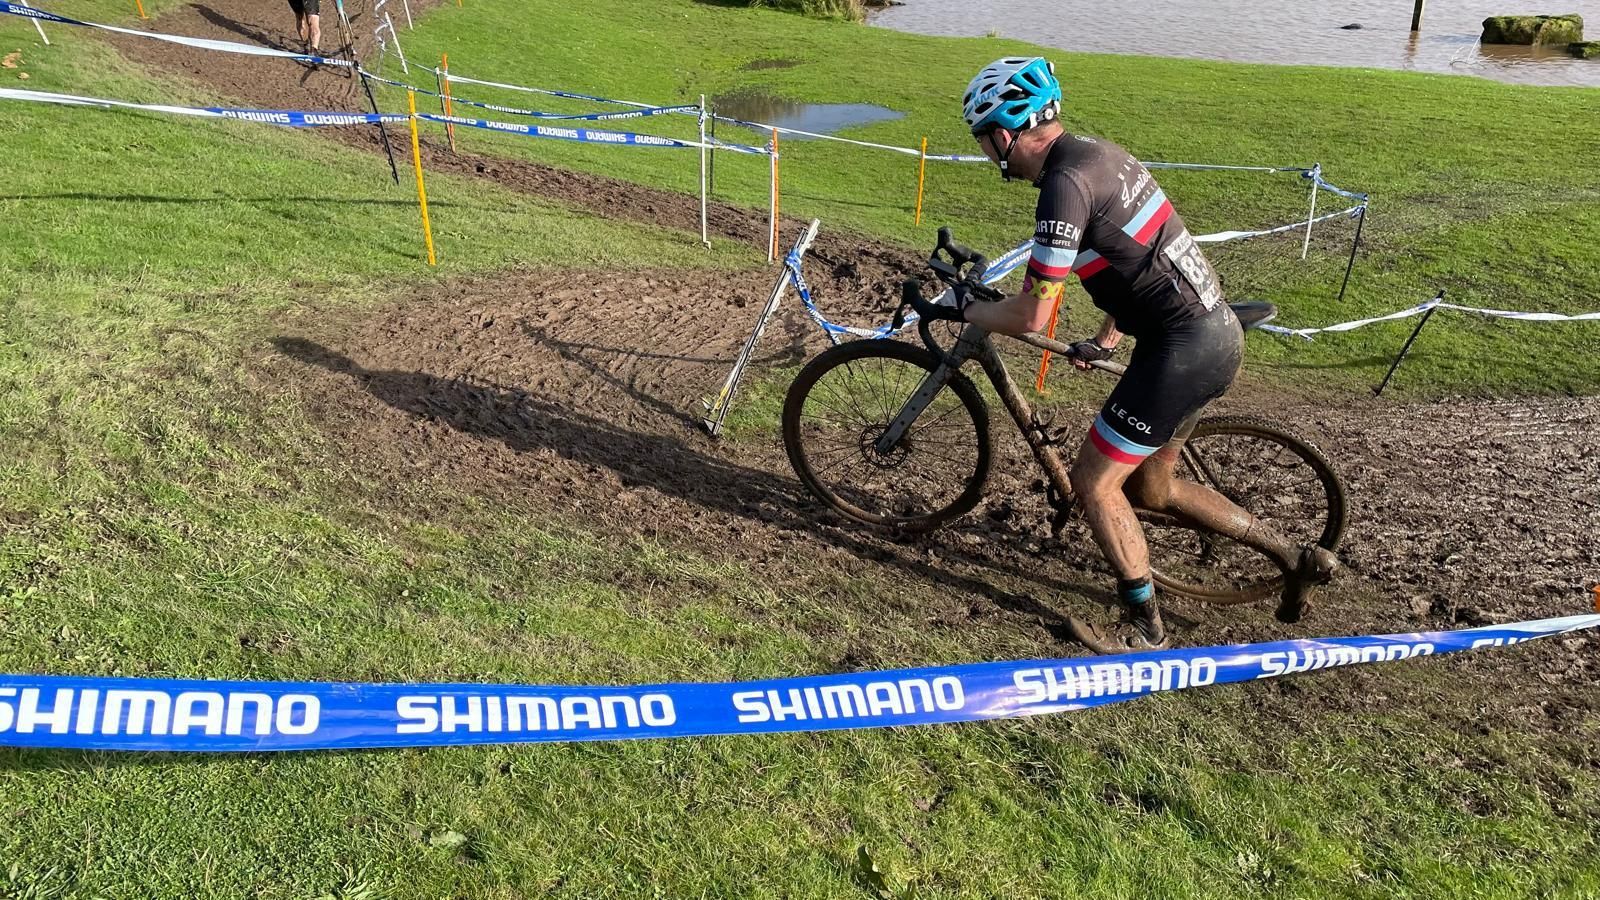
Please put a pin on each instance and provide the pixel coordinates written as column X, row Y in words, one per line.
column 1155, row 487
column 1098, row 483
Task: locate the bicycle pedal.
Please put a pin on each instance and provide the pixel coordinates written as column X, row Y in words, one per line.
column 1063, row 508
column 1040, row 428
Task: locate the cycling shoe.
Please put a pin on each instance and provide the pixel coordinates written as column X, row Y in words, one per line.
column 1316, row 567
column 1139, row 630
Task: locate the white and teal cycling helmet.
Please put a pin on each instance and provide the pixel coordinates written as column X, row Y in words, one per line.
column 1013, row 93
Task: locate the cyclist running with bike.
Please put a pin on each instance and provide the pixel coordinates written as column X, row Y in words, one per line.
column 1102, row 217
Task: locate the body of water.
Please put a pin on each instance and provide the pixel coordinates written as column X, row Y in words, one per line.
column 1296, row 32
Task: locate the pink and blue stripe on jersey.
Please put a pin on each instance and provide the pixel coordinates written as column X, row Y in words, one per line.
column 1115, row 446
column 1051, row 263
column 1155, row 213
column 1088, row 264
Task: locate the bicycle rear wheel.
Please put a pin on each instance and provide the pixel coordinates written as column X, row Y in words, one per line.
column 844, row 400
column 1283, row 480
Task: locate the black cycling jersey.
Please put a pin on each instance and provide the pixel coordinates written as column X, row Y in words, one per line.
column 1103, row 218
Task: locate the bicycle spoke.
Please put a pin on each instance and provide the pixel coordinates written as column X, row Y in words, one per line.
column 850, row 410
column 883, row 393
column 847, row 416
column 828, row 452
column 1273, row 478
column 919, row 440
column 956, row 407
column 822, row 423
column 1266, row 489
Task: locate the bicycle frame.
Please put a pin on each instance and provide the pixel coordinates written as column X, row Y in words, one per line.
column 976, row 343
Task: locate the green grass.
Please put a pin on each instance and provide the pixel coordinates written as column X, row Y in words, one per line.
column 161, row 514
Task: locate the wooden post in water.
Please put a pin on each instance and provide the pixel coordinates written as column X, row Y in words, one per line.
column 1416, row 15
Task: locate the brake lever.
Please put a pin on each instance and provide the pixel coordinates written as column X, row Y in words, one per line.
column 959, row 253
column 910, row 293
column 945, row 271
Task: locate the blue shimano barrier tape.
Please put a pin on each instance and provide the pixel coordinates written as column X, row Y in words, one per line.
column 141, row 714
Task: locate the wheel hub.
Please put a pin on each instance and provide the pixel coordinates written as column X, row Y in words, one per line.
column 869, row 448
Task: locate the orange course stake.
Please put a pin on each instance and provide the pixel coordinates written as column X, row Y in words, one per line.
column 140, row 5
column 776, row 227
column 1044, row 361
column 922, row 170
column 422, row 191
column 449, row 127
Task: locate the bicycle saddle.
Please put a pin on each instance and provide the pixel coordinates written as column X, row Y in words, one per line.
column 1254, row 313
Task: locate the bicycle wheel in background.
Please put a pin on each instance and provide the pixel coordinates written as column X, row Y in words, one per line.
column 1286, row 482
column 846, row 398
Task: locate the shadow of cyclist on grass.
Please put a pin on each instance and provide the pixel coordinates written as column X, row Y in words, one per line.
column 671, row 465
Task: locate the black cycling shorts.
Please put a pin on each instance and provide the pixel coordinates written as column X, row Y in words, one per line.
column 306, row 7
column 1172, row 376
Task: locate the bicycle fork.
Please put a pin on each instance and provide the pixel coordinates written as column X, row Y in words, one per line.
column 937, row 380
column 974, row 343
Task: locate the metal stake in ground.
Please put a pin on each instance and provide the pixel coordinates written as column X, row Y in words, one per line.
column 441, row 77
column 772, row 235
column 378, row 29
column 382, row 131
column 1437, row 299
column 1361, row 219
column 704, row 237
column 1315, row 175
column 922, row 171
column 36, row 26
column 717, row 410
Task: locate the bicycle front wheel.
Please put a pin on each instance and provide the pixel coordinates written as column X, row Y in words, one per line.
column 1276, row 476
column 845, row 399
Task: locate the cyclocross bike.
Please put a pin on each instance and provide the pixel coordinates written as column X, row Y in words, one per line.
column 896, row 436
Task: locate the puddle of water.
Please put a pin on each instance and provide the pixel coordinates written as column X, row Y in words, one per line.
column 1268, row 31
column 823, row 118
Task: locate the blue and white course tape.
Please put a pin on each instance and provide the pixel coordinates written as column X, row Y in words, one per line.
column 144, row 715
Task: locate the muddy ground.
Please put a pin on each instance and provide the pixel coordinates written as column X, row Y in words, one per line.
column 576, row 394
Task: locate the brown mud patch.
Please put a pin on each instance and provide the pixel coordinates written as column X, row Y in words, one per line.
column 575, row 395
column 757, row 65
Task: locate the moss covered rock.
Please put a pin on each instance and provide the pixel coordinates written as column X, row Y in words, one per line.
column 1585, row 49
column 1566, row 29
